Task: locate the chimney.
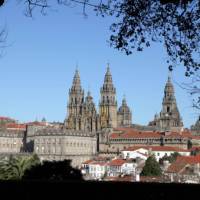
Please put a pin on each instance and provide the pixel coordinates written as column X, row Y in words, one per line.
column 137, row 177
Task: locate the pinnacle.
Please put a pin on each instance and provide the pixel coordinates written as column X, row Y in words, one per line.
column 108, row 76
column 76, row 80
column 88, row 93
column 169, row 77
column 124, row 100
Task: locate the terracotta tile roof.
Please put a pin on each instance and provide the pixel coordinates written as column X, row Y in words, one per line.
column 15, row 126
column 123, row 133
column 176, row 167
column 156, row 148
column 126, row 133
column 189, row 159
column 181, row 162
column 96, row 161
column 132, row 133
column 117, row 162
column 87, row 162
column 5, row 118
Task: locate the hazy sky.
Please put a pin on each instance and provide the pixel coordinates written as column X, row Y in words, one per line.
column 38, row 65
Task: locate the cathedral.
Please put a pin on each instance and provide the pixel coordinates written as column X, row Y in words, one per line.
column 87, row 132
column 82, row 113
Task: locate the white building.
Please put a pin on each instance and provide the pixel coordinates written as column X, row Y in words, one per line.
column 158, row 151
column 97, row 170
column 118, row 167
column 141, row 153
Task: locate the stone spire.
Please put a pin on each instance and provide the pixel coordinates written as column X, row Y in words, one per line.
column 76, row 93
column 169, row 118
column 124, row 115
column 108, row 103
column 76, row 85
column 108, row 76
column 108, row 91
column 169, row 90
column 75, row 104
column 169, row 100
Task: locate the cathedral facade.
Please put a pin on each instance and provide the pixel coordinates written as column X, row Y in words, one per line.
column 81, row 111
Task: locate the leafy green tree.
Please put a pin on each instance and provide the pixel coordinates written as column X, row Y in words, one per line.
column 15, row 167
column 151, row 168
column 189, row 144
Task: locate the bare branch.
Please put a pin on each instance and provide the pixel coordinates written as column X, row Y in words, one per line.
column 3, row 37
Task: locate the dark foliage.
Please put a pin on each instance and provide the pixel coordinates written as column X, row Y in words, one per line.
column 171, row 158
column 176, row 25
column 54, row 171
column 1, row 2
column 151, row 168
column 195, row 152
column 189, row 144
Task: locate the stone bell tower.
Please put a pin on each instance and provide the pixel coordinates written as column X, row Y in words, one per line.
column 108, row 103
column 75, row 105
column 169, row 118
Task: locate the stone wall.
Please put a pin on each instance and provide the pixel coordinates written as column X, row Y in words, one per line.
column 11, row 141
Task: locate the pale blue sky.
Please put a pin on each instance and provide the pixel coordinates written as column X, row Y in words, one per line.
column 37, row 68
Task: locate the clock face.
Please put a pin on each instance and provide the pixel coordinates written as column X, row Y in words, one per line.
column 166, row 115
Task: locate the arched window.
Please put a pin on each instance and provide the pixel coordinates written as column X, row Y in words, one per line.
column 168, row 109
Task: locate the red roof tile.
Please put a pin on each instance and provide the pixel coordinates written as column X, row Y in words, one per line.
column 117, row 162
column 87, row 162
column 156, row 148
column 181, row 162
column 123, row 133
column 5, row 118
column 189, row 159
column 15, row 126
column 176, row 167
